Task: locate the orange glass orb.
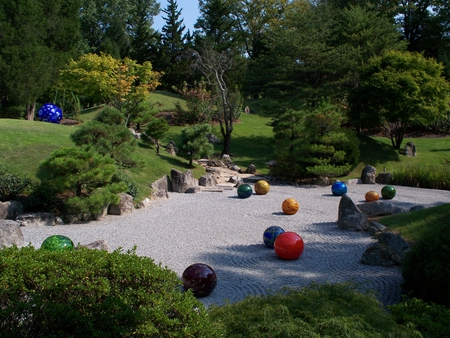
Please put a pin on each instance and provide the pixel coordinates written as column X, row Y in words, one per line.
column 372, row 196
column 290, row 206
column 262, row 187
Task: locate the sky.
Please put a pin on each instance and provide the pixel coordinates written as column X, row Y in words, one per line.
column 189, row 14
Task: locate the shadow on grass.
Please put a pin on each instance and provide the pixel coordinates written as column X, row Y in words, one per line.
column 374, row 152
column 252, row 149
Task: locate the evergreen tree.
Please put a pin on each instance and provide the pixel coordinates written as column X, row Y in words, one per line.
column 194, row 143
column 157, row 128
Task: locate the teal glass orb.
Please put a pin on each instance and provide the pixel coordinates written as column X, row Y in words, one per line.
column 244, row 191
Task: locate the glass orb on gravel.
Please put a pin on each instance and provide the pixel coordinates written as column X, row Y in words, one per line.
column 339, row 188
column 200, row 278
column 271, row 234
column 244, row 191
column 289, row 245
column 388, row 192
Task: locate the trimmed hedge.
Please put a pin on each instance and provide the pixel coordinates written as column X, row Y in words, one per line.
column 92, row 293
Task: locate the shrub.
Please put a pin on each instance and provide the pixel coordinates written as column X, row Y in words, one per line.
column 121, row 176
column 315, row 311
column 12, row 185
column 92, row 293
column 431, row 320
column 426, row 267
column 43, row 198
column 430, row 177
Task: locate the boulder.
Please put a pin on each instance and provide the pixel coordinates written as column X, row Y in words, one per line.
column 144, row 203
column 226, row 158
column 97, row 245
column 182, row 181
column 213, row 139
column 350, row 217
column 251, row 169
column 376, row 208
column 410, row 149
column 388, row 251
column 234, row 167
column 162, row 184
column 368, row 175
column 160, row 194
column 32, row 219
column 376, row 228
column 171, row 149
column 10, row 234
column 208, row 180
column 384, row 178
column 10, row 209
column 125, row 206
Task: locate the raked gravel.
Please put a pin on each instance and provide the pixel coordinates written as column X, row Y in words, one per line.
column 224, row 231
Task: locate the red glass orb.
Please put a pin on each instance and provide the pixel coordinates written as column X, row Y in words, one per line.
column 200, row 278
column 289, row 245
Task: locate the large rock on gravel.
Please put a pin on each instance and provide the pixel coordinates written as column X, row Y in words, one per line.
column 369, row 175
column 125, row 206
column 182, row 181
column 208, row 180
column 31, row 219
column 10, row 234
column 10, row 209
column 350, row 217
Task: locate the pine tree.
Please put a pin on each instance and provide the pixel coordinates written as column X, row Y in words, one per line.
column 194, row 142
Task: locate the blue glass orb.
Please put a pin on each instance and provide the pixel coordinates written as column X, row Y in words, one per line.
column 339, row 188
column 50, row 113
column 271, row 234
column 244, row 191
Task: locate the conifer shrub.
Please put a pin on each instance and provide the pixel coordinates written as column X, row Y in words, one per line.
column 93, row 293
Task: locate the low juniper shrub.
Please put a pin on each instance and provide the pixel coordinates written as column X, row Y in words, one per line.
column 93, row 293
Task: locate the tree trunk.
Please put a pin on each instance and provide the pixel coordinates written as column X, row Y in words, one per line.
column 30, row 111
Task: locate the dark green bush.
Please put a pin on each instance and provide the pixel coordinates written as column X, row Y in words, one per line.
column 316, row 311
column 111, row 116
column 431, row 320
column 12, row 185
column 426, row 267
column 121, row 176
column 43, row 198
column 92, row 293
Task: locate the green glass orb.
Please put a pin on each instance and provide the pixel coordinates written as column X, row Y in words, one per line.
column 244, row 191
column 57, row 243
column 388, row 192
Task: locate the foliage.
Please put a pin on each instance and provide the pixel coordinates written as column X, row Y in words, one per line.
column 312, row 142
column 122, row 176
column 42, row 198
column 157, row 128
column 93, row 293
column 396, row 90
column 314, row 311
column 425, row 268
column 124, row 84
column 12, row 185
column 423, row 176
column 194, row 143
column 199, row 102
column 430, row 319
column 109, row 136
column 86, row 174
column 37, row 39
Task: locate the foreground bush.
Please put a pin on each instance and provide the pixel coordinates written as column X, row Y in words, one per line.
column 90, row 293
column 315, row 311
column 431, row 319
column 426, row 267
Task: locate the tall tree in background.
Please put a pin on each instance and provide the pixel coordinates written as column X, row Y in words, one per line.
column 173, row 59
column 37, row 38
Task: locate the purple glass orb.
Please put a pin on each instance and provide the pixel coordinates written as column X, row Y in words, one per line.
column 200, row 278
column 50, row 113
column 339, row 188
column 271, row 234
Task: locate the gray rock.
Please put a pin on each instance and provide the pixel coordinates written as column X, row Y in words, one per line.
column 251, row 169
column 350, row 217
column 395, row 243
column 376, row 228
column 125, row 206
column 144, row 203
column 182, row 181
column 213, row 139
column 417, row 207
column 379, row 255
column 208, row 180
column 10, row 234
column 171, row 149
column 376, row 208
column 162, row 184
column 410, row 149
column 101, row 244
column 368, row 175
column 234, row 167
column 10, row 209
column 226, row 158
column 384, row 178
column 160, row 194
column 31, row 219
